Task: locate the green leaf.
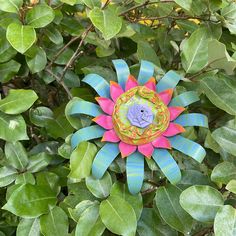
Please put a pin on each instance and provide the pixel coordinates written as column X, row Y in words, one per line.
column 186, row 4
column 220, row 59
column 92, row 3
column 70, row 2
column 40, row 16
column 30, row 201
column 21, row 37
column 7, row 176
column 6, row 50
column 136, row 201
column 100, row 188
column 81, row 160
column 225, row 221
column 102, row 19
column 167, row 202
column 221, row 98
column 28, row 227
column 10, row 5
column 18, row 101
column 8, row 70
column 38, row 162
column 13, row 128
column 54, row 34
column 223, row 172
column 54, row 223
column 36, row 59
column 25, row 178
column 16, row 155
column 201, row 202
column 118, row 216
column 89, row 223
column 150, row 224
column 231, row 186
column 194, row 54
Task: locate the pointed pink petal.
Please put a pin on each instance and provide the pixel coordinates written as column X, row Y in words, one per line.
column 166, row 96
column 131, row 83
column 175, row 112
column 104, row 121
column 126, row 149
column 173, row 129
column 146, row 149
column 110, row 136
column 115, row 90
column 161, row 142
column 106, row 104
column 151, row 84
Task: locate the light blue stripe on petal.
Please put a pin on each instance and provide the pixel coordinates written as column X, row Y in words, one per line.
column 135, row 172
column 188, row 147
column 98, row 83
column 86, row 134
column 104, row 158
column 169, row 81
column 184, row 99
column 146, row 72
column 167, row 165
column 122, row 71
column 87, row 108
column 193, row 119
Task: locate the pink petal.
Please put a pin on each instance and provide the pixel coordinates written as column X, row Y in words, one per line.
column 166, row 96
column 161, row 142
column 106, row 104
column 173, row 129
column 110, row 136
column 115, row 90
column 104, row 121
column 146, row 149
column 175, row 112
column 131, row 83
column 151, row 84
column 126, row 149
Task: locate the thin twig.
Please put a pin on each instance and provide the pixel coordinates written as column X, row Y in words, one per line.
column 150, row 190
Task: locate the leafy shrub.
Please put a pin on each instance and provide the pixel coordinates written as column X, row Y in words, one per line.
column 46, row 48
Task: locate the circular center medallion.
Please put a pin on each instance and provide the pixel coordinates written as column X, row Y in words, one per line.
column 140, row 116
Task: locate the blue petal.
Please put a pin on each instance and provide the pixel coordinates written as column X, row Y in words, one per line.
column 146, row 72
column 135, row 172
column 167, row 165
column 100, row 85
column 193, row 119
column 122, row 71
column 85, row 134
column 184, row 99
column 104, row 158
column 188, row 147
column 169, row 81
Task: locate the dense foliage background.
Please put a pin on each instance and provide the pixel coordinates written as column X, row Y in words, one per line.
column 46, row 48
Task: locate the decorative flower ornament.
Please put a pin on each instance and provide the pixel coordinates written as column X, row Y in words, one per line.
column 138, row 119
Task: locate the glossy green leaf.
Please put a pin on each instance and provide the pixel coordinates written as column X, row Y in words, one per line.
column 100, row 188
column 21, row 37
column 223, row 172
column 201, row 202
column 225, row 221
column 102, row 19
column 16, row 155
column 28, row 227
column 167, row 202
column 118, row 216
column 25, row 178
column 81, row 160
column 6, row 50
column 7, row 176
column 13, row 127
column 30, row 201
column 40, row 16
column 186, row 4
column 92, row 3
column 231, row 186
column 8, row 70
column 54, row 223
column 10, row 5
column 18, row 101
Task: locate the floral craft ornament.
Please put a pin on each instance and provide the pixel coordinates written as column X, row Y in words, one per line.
column 139, row 118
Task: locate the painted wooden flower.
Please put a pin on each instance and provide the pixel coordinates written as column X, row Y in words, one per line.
column 138, row 119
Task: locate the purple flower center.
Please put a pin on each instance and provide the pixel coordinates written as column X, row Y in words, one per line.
column 140, row 115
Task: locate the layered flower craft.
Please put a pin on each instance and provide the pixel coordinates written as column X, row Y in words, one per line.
column 139, row 118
